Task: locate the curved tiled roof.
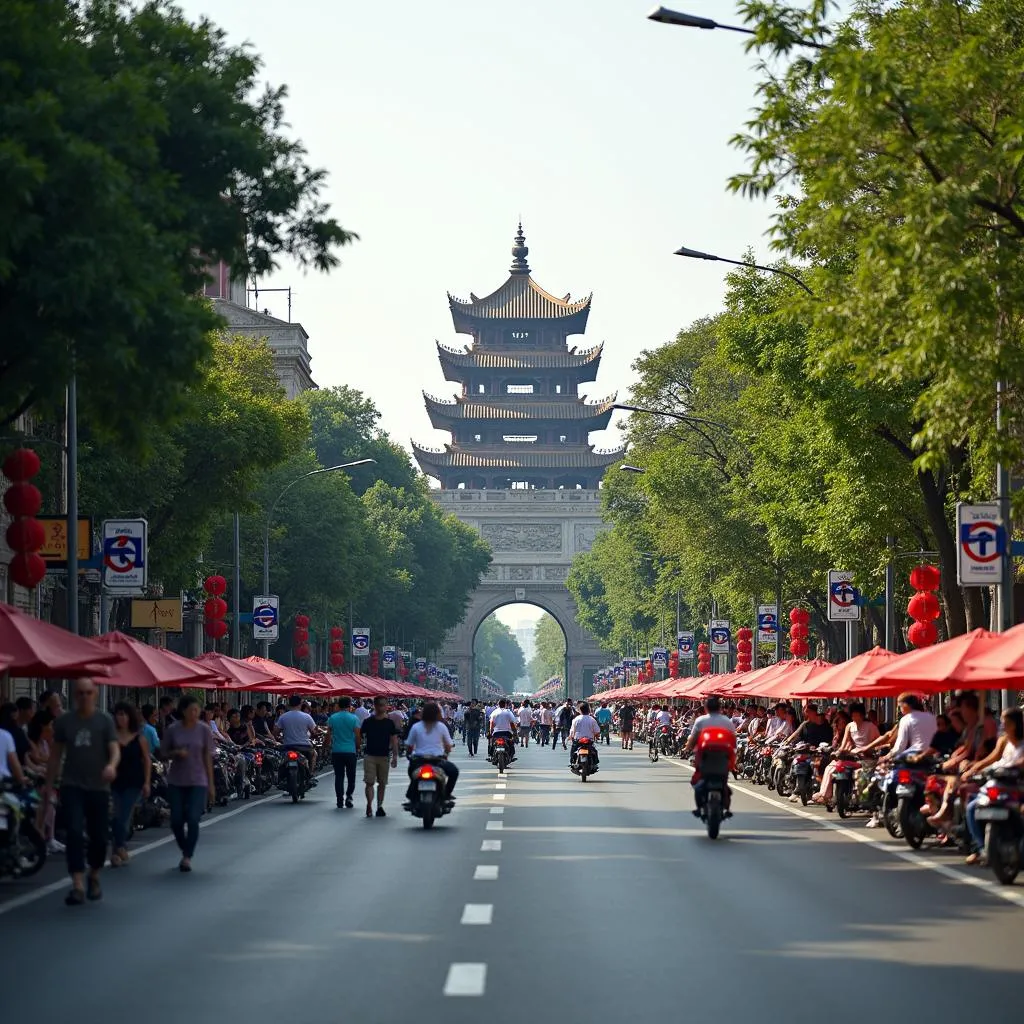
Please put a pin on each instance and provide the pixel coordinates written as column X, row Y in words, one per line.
column 458, row 458
column 519, row 298
column 488, row 360
column 515, row 408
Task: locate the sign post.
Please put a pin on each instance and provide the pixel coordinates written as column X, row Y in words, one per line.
column 768, row 634
column 390, row 659
column 981, row 545
column 360, row 641
column 720, row 636
column 843, row 597
column 125, row 563
column 266, row 617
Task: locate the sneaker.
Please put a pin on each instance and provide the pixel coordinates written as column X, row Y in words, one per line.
column 794, row 799
column 381, row 813
column 873, row 822
column 348, row 802
column 54, row 847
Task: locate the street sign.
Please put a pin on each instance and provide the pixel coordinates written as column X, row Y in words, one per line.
column 389, row 659
column 266, row 617
column 406, row 656
column 981, row 544
column 124, row 554
column 684, row 642
column 421, row 664
column 360, row 641
column 767, row 623
column 432, row 670
column 162, row 614
column 843, row 597
column 55, row 539
column 720, row 635
column 659, row 656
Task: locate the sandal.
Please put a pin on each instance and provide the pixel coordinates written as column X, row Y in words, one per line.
column 93, row 891
column 974, row 858
column 75, row 898
column 115, row 860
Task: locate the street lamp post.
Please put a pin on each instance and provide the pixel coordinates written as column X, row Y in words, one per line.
column 697, row 254
column 670, row 17
column 270, row 515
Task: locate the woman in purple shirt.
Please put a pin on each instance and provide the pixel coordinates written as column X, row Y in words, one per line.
column 188, row 745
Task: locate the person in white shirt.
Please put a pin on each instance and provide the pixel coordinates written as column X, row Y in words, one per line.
column 916, row 727
column 545, row 718
column 584, row 727
column 296, row 729
column 664, row 716
column 525, row 723
column 779, row 726
column 502, row 722
column 10, row 766
column 430, row 738
column 459, row 718
column 362, row 712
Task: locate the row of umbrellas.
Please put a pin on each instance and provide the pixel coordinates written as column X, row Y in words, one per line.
column 979, row 660
column 31, row 647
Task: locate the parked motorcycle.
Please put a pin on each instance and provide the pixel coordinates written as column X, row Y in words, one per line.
column 844, row 793
column 22, row 849
column 428, row 788
column 999, row 810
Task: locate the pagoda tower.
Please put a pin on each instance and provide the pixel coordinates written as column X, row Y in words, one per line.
column 520, row 421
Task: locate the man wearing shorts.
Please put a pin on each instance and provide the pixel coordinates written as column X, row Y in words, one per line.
column 379, row 739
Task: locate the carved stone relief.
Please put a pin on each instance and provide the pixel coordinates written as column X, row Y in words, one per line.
column 523, row 536
column 557, row 573
column 520, row 572
column 585, row 533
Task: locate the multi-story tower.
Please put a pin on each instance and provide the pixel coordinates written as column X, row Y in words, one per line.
column 520, row 422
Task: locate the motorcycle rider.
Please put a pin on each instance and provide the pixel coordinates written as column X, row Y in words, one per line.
column 584, row 727
column 711, row 719
column 502, row 723
column 430, row 738
column 296, row 729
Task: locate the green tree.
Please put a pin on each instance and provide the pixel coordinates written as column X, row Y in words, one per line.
column 135, row 148
column 497, row 653
column 549, row 659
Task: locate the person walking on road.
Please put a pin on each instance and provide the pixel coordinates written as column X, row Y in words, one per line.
column 132, row 780
column 85, row 754
column 188, row 745
column 343, row 741
column 474, row 725
column 525, row 715
column 378, row 737
column 563, row 722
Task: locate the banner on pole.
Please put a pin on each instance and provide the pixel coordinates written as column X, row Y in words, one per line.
column 360, row 641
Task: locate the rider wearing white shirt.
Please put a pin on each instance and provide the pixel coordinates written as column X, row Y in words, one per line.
column 502, row 722
column 663, row 717
column 431, row 738
column 584, row 727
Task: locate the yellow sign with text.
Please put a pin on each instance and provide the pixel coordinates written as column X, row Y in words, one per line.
column 152, row 614
column 55, row 544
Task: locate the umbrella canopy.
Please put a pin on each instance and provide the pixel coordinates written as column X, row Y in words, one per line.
column 945, row 666
column 32, row 647
column 240, row 674
column 143, row 666
column 287, row 680
column 788, row 678
column 1007, row 657
column 838, row 680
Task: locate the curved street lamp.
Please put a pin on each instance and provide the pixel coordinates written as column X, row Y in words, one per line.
column 696, row 254
column 670, row 17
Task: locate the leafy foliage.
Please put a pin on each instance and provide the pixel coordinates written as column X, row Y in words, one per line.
column 549, row 659
column 497, row 653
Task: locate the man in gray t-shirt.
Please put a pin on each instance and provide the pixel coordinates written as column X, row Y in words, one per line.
column 86, row 753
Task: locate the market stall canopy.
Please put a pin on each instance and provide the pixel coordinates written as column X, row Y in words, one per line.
column 240, row 674
column 32, row 647
column 838, row 680
column 145, row 667
column 1004, row 660
column 289, row 680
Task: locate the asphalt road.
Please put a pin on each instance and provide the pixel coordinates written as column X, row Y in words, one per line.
column 547, row 898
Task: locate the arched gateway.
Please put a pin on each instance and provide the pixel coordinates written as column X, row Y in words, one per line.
column 520, row 468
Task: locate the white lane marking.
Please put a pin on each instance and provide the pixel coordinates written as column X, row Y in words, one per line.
column 494, row 826
column 498, row 796
column 490, row 846
column 466, row 980
column 497, row 810
column 1007, row 893
column 486, row 873
column 46, row 890
column 477, row 913
column 500, row 785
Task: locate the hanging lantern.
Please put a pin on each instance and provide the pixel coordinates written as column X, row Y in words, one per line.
column 336, row 647
column 799, row 648
column 21, row 465
column 23, row 499
column 337, row 659
column 925, row 577
column 922, row 634
column 215, row 628
column 27, row 569
column 800, row 615
column 799, row 631
column 300, row 635
column 25, row 535
column 336, row 632
column 302, row 651
column 215, row 607
column 924, row 607
column 215, row 585
column 302, row 621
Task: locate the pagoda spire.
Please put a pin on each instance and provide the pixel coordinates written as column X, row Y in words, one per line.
column 520, row 252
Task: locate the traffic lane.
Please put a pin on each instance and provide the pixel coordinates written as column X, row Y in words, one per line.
column 612, row 900
column 298, row 892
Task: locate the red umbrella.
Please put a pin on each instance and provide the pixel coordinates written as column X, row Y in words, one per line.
column 32, row 647
column 144, row 666
column 786, row 678
column 287, row 680
column 240, row 674
column 946, row 666
column 837, row 681
column 1005, row 657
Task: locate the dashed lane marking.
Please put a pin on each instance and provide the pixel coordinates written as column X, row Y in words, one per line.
column 490, row 846
column 498, row 796
column 497, row 810
column 486, row 873
column 494, row 826
column 477, row 913
column 466, row 980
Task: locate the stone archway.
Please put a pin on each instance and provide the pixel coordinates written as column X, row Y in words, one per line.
column 533, row 536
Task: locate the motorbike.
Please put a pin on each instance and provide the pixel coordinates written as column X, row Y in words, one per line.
column 501, row 754
column 781, row 777
column 912, row 783
column 652, row 746
column 22, row 849
column 999, row 810
column 713, row 799
column 428, row 801
column 801, row 773
column 664, row 741
column 294, row 776
column 583, row 764
column 844, row 795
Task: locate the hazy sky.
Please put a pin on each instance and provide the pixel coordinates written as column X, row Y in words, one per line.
column 441, row 121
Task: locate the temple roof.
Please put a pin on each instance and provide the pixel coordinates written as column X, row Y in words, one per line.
column 514, row 407
column 485, row 359
column 458, row 458
column 520, row 298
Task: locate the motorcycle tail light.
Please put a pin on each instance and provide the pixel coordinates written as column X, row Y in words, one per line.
column 293, row 755
column 499, row 743
column 258, row 759
column 994, row 792
column 425, row 773
column 903, row 777
column 935, row 784
column 664, row 728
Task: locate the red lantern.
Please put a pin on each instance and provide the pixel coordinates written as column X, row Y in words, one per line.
column 215, row 585
column 215, row 608
column 215, row 628
column 302, row 621
column 702, row 648
column 337, row 660
column 744, row 646
column 924, row 606
column 300, row 635
column 302, row 651
column 798, row 648
column 798, row 631
column 336, row 632
column 21, row 465
column 27, row 569
column 922, row 634
column 800, row 615
column 925, row 577
column 744, row 633
column 26, row 535
column 23, row 499
column 336, row 647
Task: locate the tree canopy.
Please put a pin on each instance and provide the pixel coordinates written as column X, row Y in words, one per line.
column 136, row 148
column 497, row 653
column 549, row 659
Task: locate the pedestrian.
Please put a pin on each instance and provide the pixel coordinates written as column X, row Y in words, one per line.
column 132, row 780
column 85, row 754
column 188, row 746
column 343, row 741
column 165, row 715
column 474, row 723
column 379, row 740
column 147, row 726
column 49, row 700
